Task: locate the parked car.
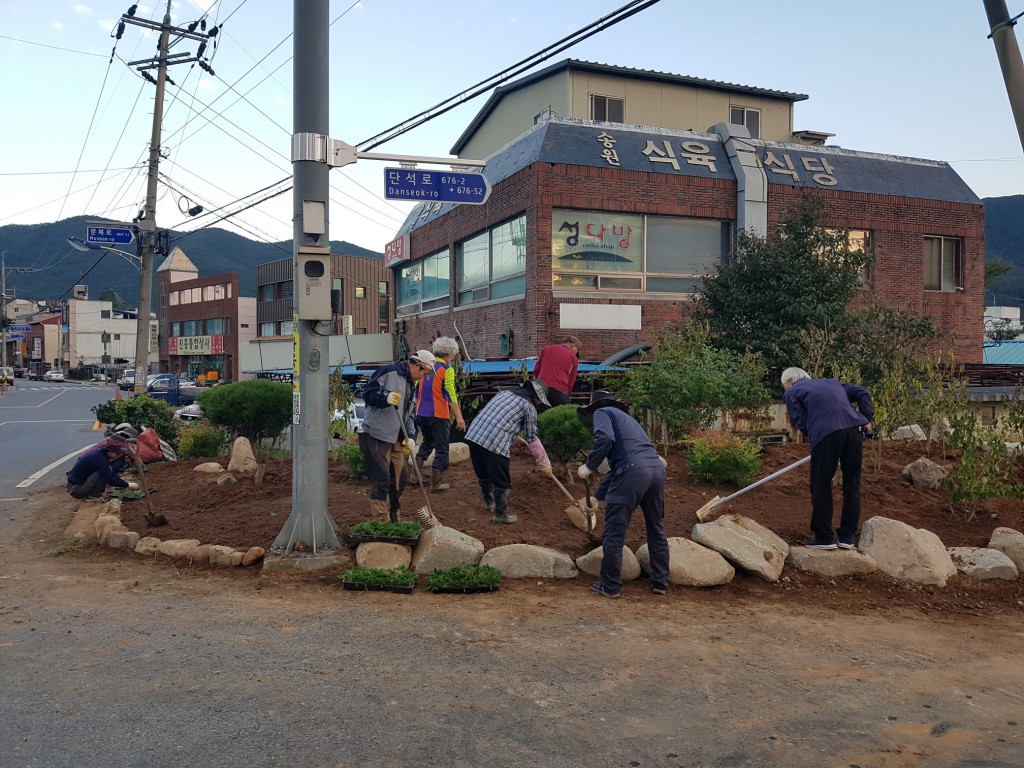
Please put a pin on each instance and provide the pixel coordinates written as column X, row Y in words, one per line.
column 7, row 375
column 350, row 423
column 99, row 376
column 127, row 379
column 189, row 413
column 20, row 371
column 54, row 375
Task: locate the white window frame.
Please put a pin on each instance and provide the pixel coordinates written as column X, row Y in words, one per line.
column 745, row 113
column 606, row 101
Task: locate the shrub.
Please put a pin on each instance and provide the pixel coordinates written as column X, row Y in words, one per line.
column 464, row 576
column 198, row 440
column 256, row 409
column 140, row 411
column 352, row 455
column 718, row 457
column 563, row 433
column 388, row 577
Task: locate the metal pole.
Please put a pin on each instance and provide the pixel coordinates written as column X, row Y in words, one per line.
column 1009, row 57
column 147, row 236
column 309, row 521
column 3, row 317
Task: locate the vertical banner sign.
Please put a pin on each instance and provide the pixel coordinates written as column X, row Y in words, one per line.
column 296, row 395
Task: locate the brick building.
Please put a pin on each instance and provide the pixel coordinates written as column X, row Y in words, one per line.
column 604, row 230
column 202, row 320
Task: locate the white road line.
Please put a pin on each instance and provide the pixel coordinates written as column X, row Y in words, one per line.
column 51, row 421
column 32, row 478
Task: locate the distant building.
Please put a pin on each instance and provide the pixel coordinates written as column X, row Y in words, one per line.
column 202, row 320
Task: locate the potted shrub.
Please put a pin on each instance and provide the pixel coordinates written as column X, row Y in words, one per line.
column 399, row 579
column 393, row 533
column 464, row 579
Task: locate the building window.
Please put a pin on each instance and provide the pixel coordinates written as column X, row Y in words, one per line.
column 287, row 327
column 943, row 264
column 360, row 291
column 266, row 329
column 175, row 329
column 422, row 286
column 596, row 251
column 382, row 287
column 492, row 265
column 544, row 114
column 607, row 108
column 751, row 118
column 173, row 298
column 266, row 292
column 859, row 240
column 105, row 314
column 215, row 326
column 285, row 290
column 190, row 328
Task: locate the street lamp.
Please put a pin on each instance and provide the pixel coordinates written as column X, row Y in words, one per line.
column 141, row 322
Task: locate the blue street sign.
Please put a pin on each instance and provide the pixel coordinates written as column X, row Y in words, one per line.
column 436, row 186
column 20, row 328
column 109, row 235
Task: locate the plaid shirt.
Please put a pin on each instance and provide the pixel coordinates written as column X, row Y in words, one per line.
column 497, row 425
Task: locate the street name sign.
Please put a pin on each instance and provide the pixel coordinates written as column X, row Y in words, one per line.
column 436, row 186
column 20, row 328
column 109, row 234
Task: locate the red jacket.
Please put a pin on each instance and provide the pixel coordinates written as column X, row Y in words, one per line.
column 556, row 367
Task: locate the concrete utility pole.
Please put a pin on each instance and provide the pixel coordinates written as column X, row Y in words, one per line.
column 3, row 317
column 309, row 521
column 1010, row 62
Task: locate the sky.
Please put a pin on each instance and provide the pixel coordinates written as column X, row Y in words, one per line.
column 916, row 78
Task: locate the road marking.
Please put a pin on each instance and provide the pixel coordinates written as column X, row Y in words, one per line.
column 32, row 478
column 51, row 421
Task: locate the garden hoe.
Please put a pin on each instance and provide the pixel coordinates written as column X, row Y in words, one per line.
column 705, row 511
column 153, row 519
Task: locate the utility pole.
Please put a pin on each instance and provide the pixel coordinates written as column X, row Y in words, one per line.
column 309, row 522
column 150, row 238
column 1008, row 53
column 3, row 319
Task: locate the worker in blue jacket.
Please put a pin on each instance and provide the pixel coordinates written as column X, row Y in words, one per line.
column 835, row 418
column 97, row 468
column 636, row 478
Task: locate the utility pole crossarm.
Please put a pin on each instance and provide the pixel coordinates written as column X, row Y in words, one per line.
column 337, row 154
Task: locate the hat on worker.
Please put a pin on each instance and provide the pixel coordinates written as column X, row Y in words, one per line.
column 425, row 358
column 602, row 399
column 539, row 390
column 574, row 341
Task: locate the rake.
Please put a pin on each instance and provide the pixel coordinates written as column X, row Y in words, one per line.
column 703, row 512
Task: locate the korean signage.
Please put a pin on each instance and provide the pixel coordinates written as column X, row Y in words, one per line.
column 596, row 241
column 37, row 348
column 195, row 345
column 436, row 186
column 396, row 251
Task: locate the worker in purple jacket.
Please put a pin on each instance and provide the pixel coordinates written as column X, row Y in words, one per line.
column 823, row 410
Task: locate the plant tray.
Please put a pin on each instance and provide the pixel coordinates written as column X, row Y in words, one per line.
column 466, row 590
column 359, row 586
column 359, row 538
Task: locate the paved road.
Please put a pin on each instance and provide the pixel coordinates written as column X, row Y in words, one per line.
column 42, row 423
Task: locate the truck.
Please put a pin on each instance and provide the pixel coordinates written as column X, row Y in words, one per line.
column 170, row 389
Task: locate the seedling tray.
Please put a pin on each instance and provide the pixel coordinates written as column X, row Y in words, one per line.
column 358, row 538
column 466, row 590
column 359, row 586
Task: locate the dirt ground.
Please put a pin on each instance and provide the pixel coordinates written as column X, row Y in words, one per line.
column 243, row 515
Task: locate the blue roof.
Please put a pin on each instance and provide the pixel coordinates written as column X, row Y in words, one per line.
column 469, row 366
column 1004, row 352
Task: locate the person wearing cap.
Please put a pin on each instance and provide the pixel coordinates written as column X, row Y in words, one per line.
column 436, row 402
column 636, row 478
column 510, row 417
column 97, row 468
column 556, row 366
column 389, row 430
column 823, row 410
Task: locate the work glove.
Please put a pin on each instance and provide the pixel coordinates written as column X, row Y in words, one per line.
column 394, row 398
column 409, row 445
column 133, row 486
column 584, row 471
column 548, row 470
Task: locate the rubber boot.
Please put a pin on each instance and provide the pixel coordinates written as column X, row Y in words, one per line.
column 378, row 509
column 501, row 514
column 393, row 513
column 436, row 481
column 488, row 491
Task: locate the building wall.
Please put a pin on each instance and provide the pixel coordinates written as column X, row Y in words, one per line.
column 898, row 226
column 227, row 308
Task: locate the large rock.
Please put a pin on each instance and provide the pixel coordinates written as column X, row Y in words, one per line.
column 209, row 467
column 838, row 562
column 912, row 554
column 746, row 544
column 924, row 473
column 690, row 564
column 253, row 555
column 382, row 554
column 177, row 547
column 147, row 545
column 224, row 555
column 441, row 548
column 105, row 525
column 526, row 561
column 242, row 458
column 910, row 432
column 1010, row 543
column 983, row 563
column 122, row 539
column 590, row 563
column 457, row 453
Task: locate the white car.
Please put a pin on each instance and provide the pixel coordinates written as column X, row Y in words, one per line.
column 350, row 423
column 53, row 375
column 189, row 413
column 127, row 379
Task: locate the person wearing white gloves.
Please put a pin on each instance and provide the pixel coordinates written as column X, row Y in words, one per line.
column 636, row 478
column 389, row 430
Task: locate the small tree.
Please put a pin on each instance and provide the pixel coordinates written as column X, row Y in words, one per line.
column 563, row 433
column 141, row 411
column 257, row 409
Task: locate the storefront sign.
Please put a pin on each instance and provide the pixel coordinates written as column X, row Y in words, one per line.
column 195, row 345
column 397, row 250
column 595, row 241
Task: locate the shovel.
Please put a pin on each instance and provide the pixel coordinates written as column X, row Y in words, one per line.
column 703, row 512
column 153, row 519
column 589, row 518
